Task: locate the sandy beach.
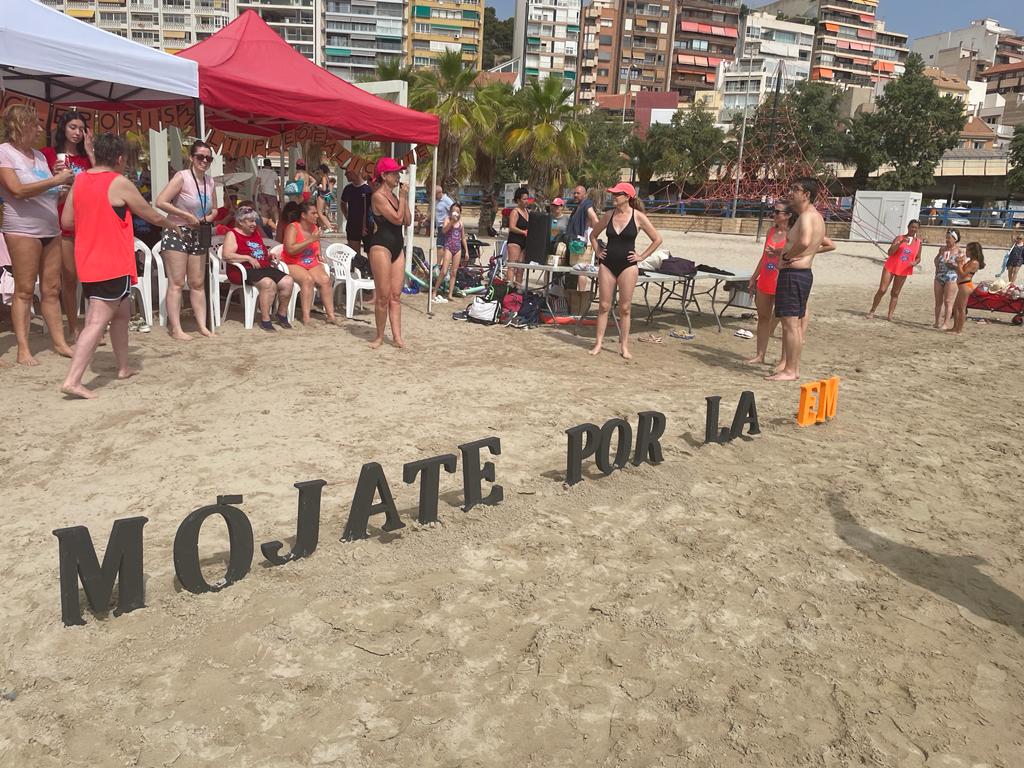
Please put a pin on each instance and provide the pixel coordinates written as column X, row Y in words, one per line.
column 848, row 594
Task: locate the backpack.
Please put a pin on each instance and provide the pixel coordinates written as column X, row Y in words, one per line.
column 512, row 302
column 529, row 312
column 496, row 291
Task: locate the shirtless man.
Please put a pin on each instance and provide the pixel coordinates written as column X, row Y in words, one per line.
column 795, row 278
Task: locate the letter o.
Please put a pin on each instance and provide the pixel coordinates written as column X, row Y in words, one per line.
column 186, row 548
column 622, row 448
column 108, row 121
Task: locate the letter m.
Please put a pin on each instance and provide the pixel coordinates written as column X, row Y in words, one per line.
column 122, row 561
column 828, row 398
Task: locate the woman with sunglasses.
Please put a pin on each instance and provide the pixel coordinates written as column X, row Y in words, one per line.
column 619, row 260
column 904, row 255
column 945, row 279
column 386, row 248
column 190, row 200
column 766, row 275
column 72, row 148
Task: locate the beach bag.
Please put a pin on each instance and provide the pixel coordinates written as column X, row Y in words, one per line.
column 676, row 266
column 484, row 312
column 529, row 312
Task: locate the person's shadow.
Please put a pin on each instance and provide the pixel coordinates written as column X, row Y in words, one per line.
column 954, row 577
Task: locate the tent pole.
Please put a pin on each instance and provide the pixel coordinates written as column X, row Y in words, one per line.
column 410, row 231
column 281, row 177
column 432, row 251
column 200, row 119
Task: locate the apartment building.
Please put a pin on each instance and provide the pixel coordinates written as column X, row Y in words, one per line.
column 547, row 36
column 768, row 45
column 359, row 33
column 851, row 45
column 599, row 55
column 437, row 26
column 986, row 42
column 297, row 21
column 705, row 35
column 171, row 25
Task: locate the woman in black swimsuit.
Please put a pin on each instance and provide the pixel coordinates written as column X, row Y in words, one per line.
column 386, row 248
column 518, row 223
column 619, row 260
column 966, row 267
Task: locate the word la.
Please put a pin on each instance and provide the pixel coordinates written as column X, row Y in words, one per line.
column 746, row 415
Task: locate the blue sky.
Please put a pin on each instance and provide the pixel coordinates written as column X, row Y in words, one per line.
column 916, row 18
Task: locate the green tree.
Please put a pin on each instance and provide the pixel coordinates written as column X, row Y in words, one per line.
column 863, row 147
column 643, row 156
column 917, row 125
column 498, row 36
column 490, row 152
column 388, row 68
column 448, row 90
column 689, row 146
column 605, row 155
column 546, row 132
column 1015, row 178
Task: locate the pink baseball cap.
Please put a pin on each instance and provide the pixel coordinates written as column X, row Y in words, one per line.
column 558, row 201
column 386, row 165
column 625, row 187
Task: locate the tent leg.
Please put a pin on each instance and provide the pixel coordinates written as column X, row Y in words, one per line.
column 432, row 250
column 200, row 119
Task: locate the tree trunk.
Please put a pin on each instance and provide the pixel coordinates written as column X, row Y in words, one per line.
column 488, row 210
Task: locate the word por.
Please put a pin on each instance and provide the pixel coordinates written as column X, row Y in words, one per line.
column 588, row 440
column 818, row 401
column 123, row 558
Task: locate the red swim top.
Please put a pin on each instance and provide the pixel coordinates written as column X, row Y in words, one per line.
column 76, row 164
column 104, row 240
column 768, row 276
column 310, row 254
column 901, row 263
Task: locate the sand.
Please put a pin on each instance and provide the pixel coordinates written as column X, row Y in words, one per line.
column 841, row 595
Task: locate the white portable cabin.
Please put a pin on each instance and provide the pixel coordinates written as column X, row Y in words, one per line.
column 881, row 216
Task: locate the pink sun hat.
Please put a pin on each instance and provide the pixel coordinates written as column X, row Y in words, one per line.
column 625, row 187
column 386, row 165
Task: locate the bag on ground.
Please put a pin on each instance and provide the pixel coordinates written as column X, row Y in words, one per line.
column 484, row 312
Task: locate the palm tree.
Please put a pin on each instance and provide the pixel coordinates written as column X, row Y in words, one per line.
column 489, row 148
column 448, row 90
column 545, row 130
column 388, row 68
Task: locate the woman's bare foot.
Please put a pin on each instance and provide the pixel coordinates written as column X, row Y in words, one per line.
column 127, row 373
column 27, row 359
column 596, row 350
column 759, row 360
column 63, row 350
column 398, row 343
column 179, row 335
column 78, row 391
column 626, row 354
column 869, row 315
column 206, row 332
column 376, row 343
column 782, row 376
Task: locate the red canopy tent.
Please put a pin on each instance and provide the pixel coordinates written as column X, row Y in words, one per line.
column 252, row 82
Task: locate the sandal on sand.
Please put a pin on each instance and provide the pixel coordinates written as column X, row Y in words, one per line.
column 743, row 333
column 651, row 339
column 681, row 335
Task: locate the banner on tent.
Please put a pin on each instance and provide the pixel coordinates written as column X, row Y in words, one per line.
column 105, row 121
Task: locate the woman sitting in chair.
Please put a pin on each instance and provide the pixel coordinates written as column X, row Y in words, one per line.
column 302, row 255
column 243, row 244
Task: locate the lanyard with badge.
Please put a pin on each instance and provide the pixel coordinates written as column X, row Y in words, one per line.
column 205, row 227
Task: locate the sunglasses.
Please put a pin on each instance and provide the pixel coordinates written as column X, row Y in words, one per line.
column 204, row 158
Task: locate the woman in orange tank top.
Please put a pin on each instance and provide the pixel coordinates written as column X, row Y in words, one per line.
column 766, row 275
column 99, row 211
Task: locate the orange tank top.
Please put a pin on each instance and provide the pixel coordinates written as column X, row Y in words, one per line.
column 104, row 240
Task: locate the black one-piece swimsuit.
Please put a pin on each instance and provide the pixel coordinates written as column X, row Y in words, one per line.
column 620, row 244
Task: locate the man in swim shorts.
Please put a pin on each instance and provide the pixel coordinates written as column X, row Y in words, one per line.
column 795, row 276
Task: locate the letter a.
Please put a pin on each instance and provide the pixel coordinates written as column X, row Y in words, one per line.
column 746, row 413
column 372, row 481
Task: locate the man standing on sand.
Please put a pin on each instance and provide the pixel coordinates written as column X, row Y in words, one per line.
column 795, row 277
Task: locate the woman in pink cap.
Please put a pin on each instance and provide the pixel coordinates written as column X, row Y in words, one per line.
column 619, row 260
column 386, row 248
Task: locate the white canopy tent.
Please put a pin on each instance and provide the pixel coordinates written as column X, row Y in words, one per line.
column 47, row 55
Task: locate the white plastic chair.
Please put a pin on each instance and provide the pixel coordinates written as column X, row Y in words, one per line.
column 161, row 284
column 250, row 294
column 339, row 260
column 144, row 287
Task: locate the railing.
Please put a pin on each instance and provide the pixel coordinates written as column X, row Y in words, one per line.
column 998, row 218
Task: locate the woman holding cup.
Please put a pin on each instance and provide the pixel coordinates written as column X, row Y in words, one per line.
column 71, row 148
column 904, row 255
column 190, row 201
column 30, row 227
